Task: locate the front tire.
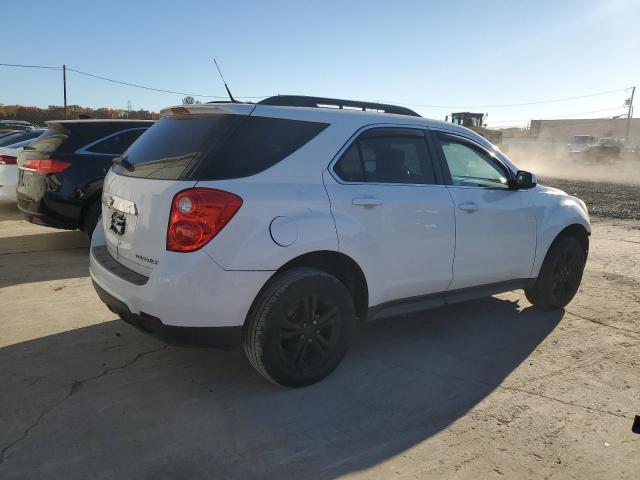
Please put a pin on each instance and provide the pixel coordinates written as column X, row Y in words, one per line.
column 560, row 275
column 299, row 327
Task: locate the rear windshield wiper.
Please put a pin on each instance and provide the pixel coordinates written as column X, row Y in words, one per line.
column 124, row 163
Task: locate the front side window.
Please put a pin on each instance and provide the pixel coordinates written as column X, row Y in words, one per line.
column 387, row 159
column 116, row 144
column 470, row 166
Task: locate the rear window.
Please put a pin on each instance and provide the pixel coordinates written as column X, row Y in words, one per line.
column 51, row 140
column 215, row 147
column 70, row 137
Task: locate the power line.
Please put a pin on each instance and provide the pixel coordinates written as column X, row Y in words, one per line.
column 29, row 66
column 142, row 86
column 539, row 102
column 122, row 82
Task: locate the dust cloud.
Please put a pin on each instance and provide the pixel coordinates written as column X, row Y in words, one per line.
column 547, row 161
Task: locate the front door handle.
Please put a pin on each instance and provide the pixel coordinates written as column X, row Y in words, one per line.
column 367, row 202
column 469, row 207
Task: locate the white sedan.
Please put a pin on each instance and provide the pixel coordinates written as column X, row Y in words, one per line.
column 9, row 170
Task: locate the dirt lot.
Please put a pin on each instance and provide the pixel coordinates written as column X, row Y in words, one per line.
column 490, row 389
column 605, row 199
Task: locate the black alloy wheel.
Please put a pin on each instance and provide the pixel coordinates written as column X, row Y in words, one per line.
column 560, row 275
column 310, row 333
column 299, row 327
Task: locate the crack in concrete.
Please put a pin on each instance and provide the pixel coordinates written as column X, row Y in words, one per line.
column 602, row 323
column 74, row 387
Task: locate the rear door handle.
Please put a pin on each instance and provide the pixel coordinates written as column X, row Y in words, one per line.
column 367, row 202
column 469, row 207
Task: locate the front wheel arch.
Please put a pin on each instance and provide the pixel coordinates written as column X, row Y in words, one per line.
column 574, row 230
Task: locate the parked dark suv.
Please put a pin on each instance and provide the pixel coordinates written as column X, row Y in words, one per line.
column 60, row 175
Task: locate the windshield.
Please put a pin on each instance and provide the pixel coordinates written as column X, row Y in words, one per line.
column 580, row 139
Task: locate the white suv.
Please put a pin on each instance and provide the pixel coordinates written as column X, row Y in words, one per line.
column 277, row 224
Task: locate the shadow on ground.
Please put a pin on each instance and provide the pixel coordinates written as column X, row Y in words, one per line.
column 56, row 255
column 108, row 402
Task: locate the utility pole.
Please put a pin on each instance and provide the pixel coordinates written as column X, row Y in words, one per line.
column 64, row 86
column 630, row 113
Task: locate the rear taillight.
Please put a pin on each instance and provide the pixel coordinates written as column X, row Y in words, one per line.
column 45, row 167
column 197, row 215
column 8, row 160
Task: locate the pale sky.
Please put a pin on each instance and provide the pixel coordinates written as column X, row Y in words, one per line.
column 436, row 57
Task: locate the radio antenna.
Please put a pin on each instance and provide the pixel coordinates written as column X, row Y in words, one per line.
column 233, row 100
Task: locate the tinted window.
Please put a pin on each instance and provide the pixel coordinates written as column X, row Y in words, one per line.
column 170, row 148
column 387, row 159
column 257, row 144
column 69, row 136
column 349, row 167
column 51, row 139
column 216, row 147
column 118, row 143
column 12, row 138
column 470, row 166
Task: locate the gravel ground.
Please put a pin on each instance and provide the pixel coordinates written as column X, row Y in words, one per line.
column 612, row 200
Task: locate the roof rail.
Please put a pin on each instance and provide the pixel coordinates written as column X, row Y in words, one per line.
column 321, row 102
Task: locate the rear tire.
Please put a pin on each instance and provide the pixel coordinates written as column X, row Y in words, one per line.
column 299, row 327
column 560, row 275
column 91, row 217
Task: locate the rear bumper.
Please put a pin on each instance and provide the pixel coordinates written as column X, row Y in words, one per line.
column 224, row 338
column 183, row 290
column 38, row 213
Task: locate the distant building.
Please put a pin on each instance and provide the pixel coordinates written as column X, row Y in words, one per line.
column 560, row 131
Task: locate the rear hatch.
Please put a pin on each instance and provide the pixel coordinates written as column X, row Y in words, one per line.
column 139, row 189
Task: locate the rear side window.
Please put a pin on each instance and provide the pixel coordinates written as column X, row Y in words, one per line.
column 116, row 144
column 257, row 144
column 387, row 159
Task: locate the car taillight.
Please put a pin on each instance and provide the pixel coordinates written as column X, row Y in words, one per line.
column 45, row 167
column 8, row 160
column 197, row 215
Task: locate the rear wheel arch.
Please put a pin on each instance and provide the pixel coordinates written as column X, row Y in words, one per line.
column 341, row 266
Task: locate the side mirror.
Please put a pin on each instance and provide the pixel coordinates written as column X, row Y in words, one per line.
column 523, row 180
